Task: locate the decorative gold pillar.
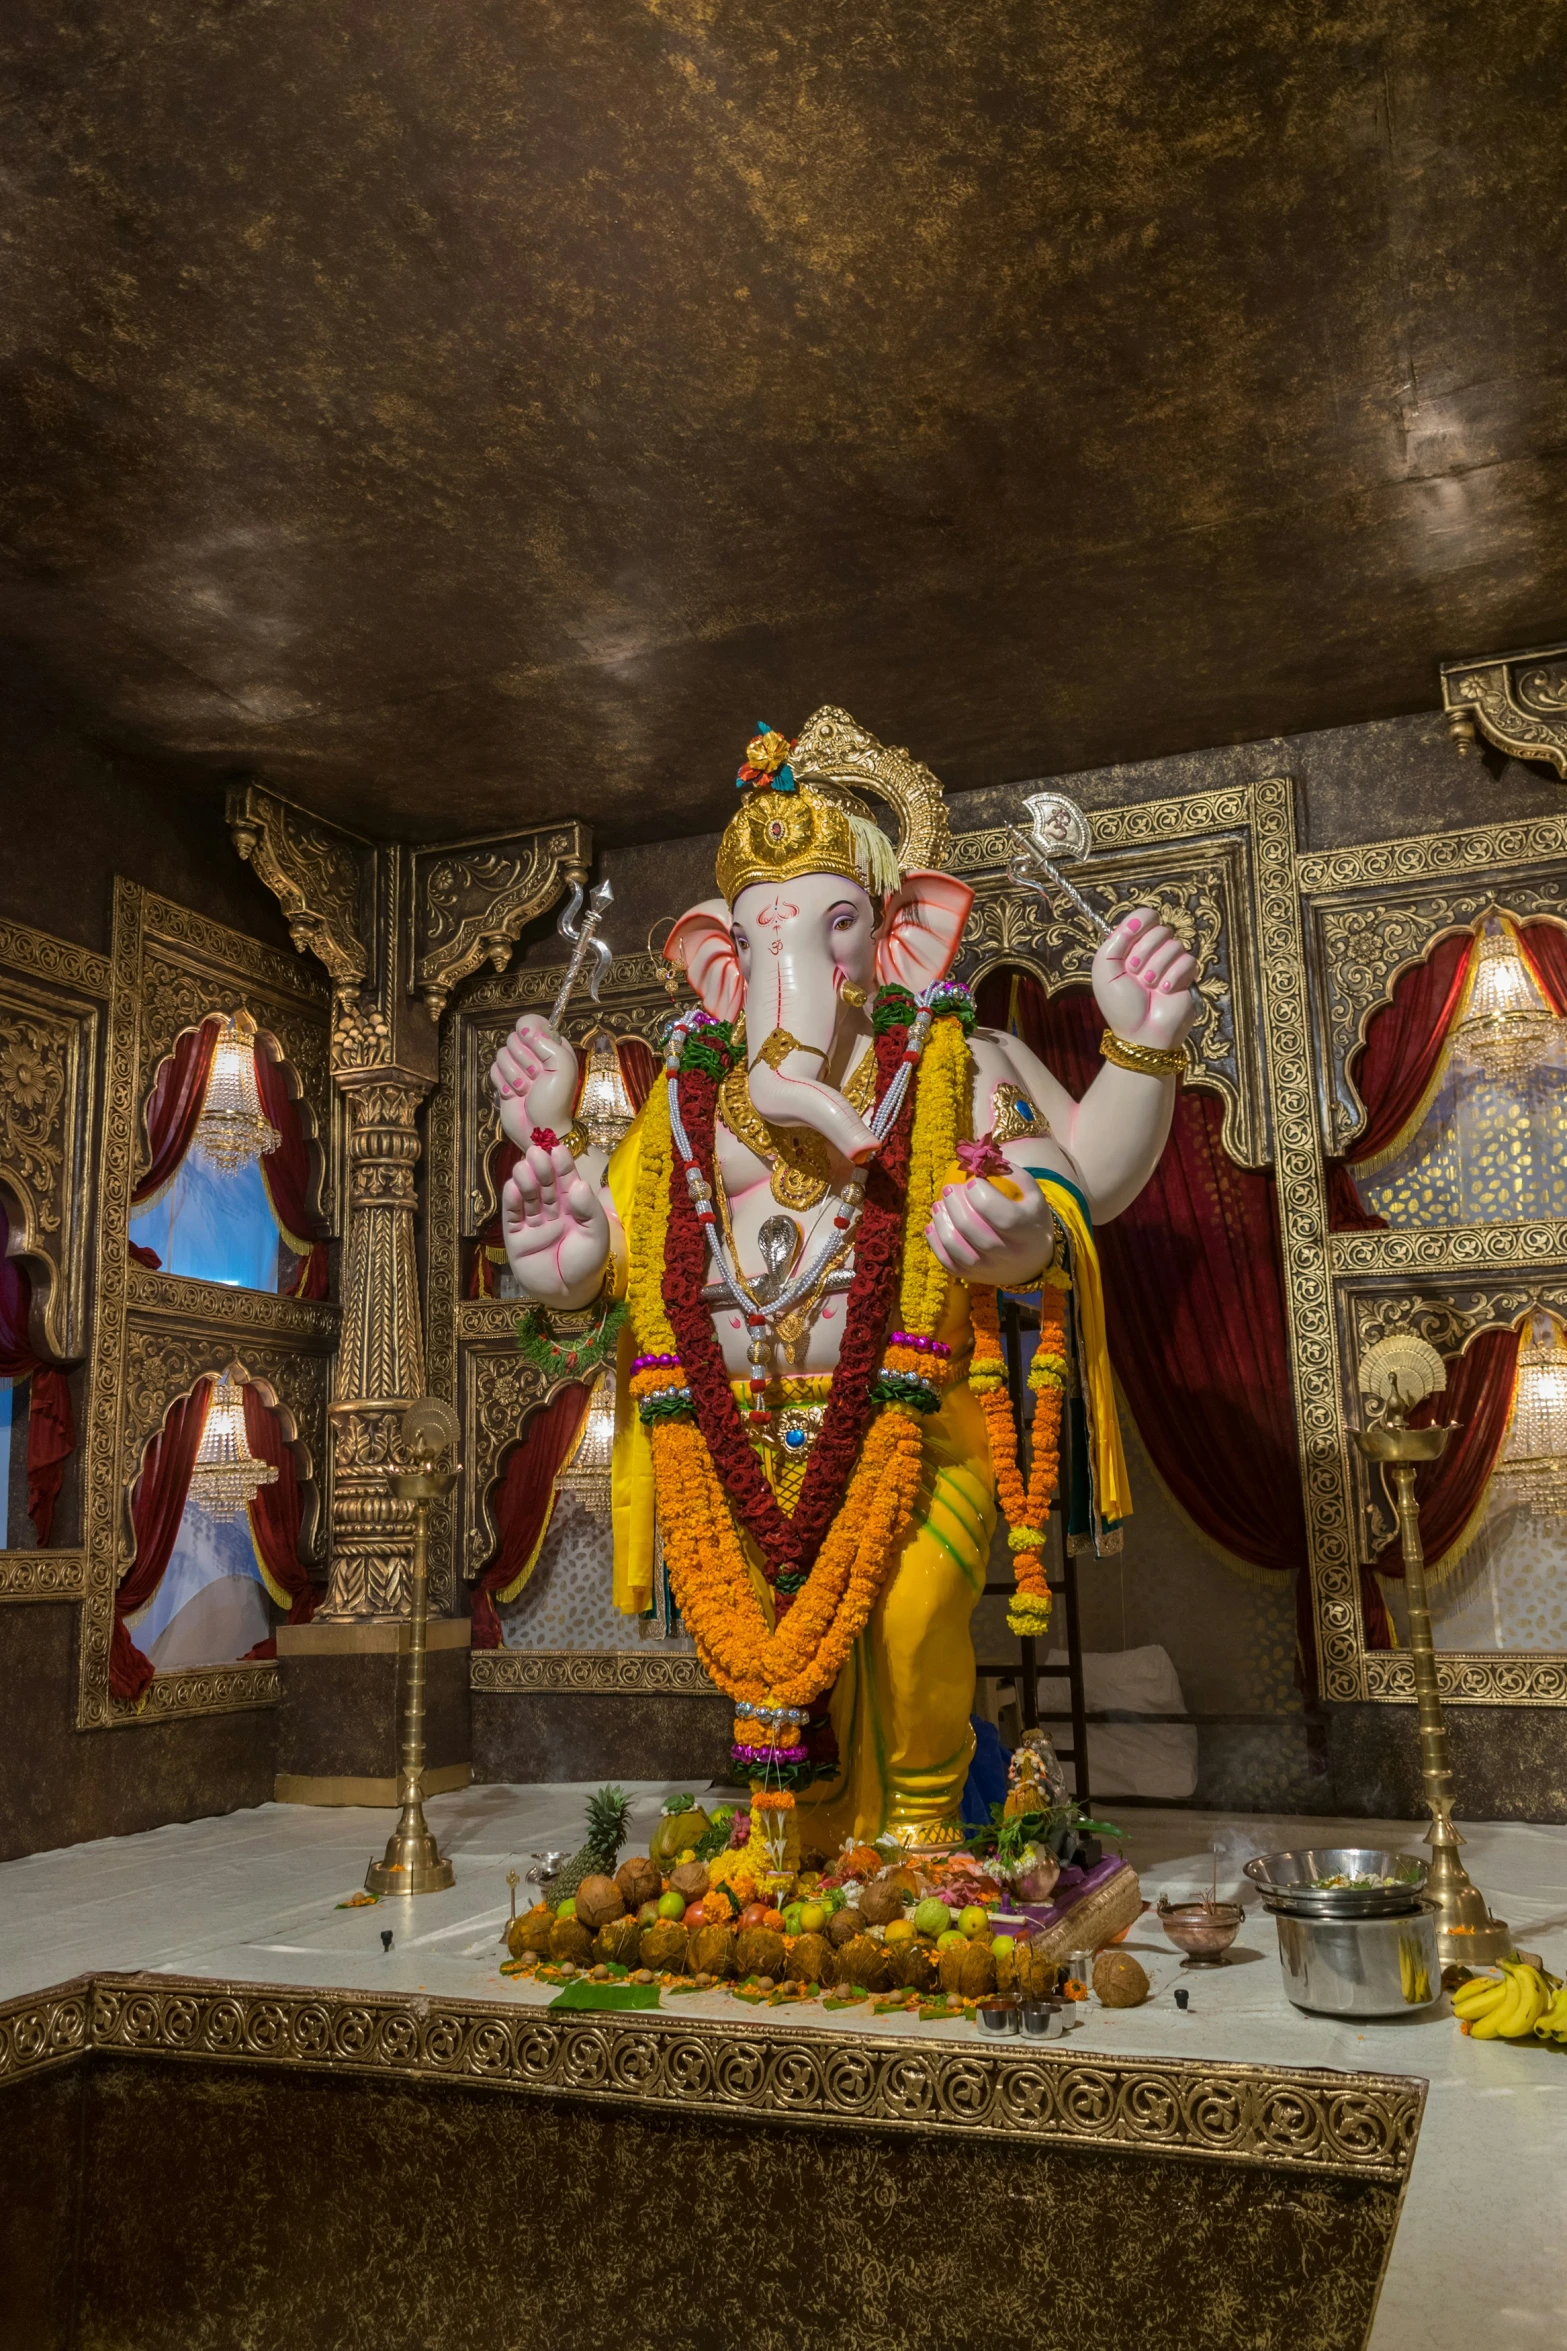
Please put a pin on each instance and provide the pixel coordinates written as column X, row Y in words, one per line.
column 380, row 1364
column 398, row 930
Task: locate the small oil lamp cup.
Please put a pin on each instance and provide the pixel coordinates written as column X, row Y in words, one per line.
column 1203, row 1930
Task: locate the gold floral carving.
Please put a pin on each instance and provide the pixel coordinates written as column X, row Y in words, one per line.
column 1442, row 1249
column 1301, row 2120
column 319, row 875
column 578, row 1672
column 42, row 1575
column 498, row 1389
column 471, row 903
column 47, row 1050
column 1518, row 701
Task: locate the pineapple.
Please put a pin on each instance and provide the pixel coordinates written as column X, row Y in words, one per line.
column 609, row 1809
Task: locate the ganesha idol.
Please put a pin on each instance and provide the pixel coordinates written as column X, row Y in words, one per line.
column 809, row 1223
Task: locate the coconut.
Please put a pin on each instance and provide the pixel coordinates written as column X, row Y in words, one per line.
column 619, row 1944
column 977, row 1975
column 1119, row 1980
column 810, row 1961
column 1038, row 1965
column 760, row 1951
column 881, row 1902
column 864, row 1961
column 598, row 1901
column 569, row 1939
column 690, row 1879
column 639, row 1881
column 949, row 1967
column 844, row 1925
column 664, row 1946
column 531, row 1932
column 711, row 1951
column 912, row 1965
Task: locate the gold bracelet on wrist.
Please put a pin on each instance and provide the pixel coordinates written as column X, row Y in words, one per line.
column 576, row 1139
column 1151, row 1061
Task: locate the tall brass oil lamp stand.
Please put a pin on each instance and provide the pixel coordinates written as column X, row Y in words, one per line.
column 1401, row 1371
column 413, row 1862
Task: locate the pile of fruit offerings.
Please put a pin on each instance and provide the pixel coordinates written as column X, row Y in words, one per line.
column 714, row 1913
column 1520, row 2003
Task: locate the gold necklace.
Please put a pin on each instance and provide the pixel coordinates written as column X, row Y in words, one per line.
column 797, row 1158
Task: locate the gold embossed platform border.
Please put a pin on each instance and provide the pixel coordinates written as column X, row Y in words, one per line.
column 612, row 1672
column 1359, row 2126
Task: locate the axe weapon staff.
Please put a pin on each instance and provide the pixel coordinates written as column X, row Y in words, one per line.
column 1058, row 829
column 582, row 930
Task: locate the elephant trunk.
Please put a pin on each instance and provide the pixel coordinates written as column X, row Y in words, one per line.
column 791, row 1021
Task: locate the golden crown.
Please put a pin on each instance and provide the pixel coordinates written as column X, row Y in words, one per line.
column 804, row 810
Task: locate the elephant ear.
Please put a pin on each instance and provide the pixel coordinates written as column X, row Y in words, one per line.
column 921, row 926
column 702, row 946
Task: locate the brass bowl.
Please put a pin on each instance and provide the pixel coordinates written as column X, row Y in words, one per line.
column 1203, row 1930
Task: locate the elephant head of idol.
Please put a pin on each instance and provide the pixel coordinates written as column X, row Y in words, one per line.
column 818, row 910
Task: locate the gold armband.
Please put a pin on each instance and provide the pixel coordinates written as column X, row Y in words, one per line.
column 1151, row 1061
column 577, row 1139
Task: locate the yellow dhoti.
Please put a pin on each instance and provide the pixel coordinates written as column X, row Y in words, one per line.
column 901, row 1705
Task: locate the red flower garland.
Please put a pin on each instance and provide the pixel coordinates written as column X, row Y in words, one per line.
column 790, row 1545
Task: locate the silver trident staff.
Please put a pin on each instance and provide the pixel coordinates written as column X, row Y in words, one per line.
column 1059, row 829
column 581, row 929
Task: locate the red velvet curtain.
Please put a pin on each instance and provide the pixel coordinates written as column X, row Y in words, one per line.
column 1394, row 1067
column 1475, row 1404
column 174, row 1106
column 157, row 1506
column 1545, row 951
column 523, row 1500
column 51, row 1425
column 286, row 1173
column 1194, row 1301
column 275, row 1514
column 639, row 1066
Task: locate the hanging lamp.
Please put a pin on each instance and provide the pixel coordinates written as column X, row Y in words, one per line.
column 586, row 1475
column 226, row 1476
column 605, row 1111
column 1507, row 1025
column 1533, row 1466
column 233, row 1129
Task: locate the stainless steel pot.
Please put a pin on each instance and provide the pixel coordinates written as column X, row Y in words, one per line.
column 1361, row 1966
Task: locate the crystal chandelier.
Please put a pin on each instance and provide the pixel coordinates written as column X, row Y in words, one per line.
column 1508, row 1025
column 586, row 1474
column 605, row 1110
column 226, row 1476
column 233, row 1129
column 1533, row 1466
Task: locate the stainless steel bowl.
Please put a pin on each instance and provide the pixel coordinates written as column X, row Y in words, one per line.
column 1286, row 1882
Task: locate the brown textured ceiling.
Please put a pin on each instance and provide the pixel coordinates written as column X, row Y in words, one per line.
column 459, row 411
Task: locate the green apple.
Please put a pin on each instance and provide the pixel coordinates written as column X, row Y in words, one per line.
column 952, row 1940
column 1002, row 1946
column 793, row 1914
column 671, row 1905
column 568, row 1909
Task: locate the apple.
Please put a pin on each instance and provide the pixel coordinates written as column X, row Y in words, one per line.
column 671, row 1905
column 694, row 1914
column 649, row 1914
column 900, row 1931
column 973, row 1920
column 568, row 1909
column 1002, row 1946
column 952, row 1940
column 754, row 1915
column 813, row 1917
column 793, row 1911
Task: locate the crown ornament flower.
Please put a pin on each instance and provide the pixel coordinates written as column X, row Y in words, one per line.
column 805, row 809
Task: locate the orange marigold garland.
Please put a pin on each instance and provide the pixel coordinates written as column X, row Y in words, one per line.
column 1027, row 1510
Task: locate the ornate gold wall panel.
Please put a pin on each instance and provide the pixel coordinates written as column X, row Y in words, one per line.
column 42, row 1575
column 155, row 1333
column 53, row 998
column 1370, row 911
column 615, row 1673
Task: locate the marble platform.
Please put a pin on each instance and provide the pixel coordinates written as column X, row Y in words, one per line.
column 252, row 1898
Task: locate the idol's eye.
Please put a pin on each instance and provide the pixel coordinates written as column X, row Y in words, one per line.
column 844, row 922
column 742, row 943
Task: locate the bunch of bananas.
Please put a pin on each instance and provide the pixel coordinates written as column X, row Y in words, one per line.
column 1525, row 2001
